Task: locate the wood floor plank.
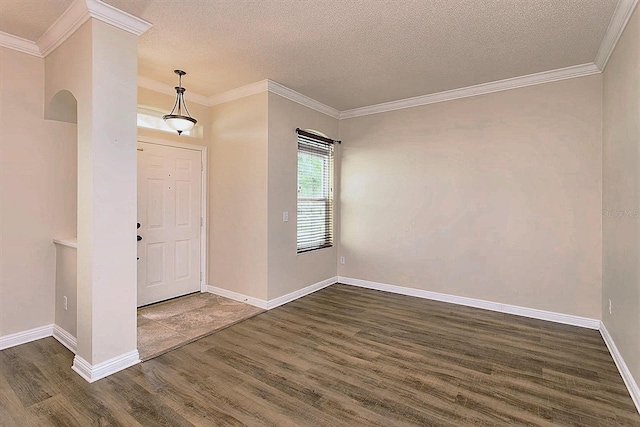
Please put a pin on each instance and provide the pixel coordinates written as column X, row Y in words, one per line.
column 12, row 411
column 221, row 388
column 58, row 411
column 178, row 393
column 24, row 377
column 342, row 356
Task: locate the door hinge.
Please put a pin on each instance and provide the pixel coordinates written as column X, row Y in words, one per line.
column 201, row 166
column 201, row 221
column 201, row 276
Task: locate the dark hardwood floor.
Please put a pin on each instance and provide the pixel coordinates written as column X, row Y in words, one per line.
column 340, row 356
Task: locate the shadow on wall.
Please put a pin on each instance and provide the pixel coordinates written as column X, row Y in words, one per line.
column 63, row 107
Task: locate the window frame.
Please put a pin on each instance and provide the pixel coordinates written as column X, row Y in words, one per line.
column 306, row 145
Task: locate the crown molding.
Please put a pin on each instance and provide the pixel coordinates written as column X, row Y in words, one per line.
column 19, row 44
column 116, row 17
column 207, row 101
column 241, row 92
column 166, row 89
column 72, row 18
column 301, row 99
column 79, row 12
column 285, row 92
column 273, row 87
column 481, row 89
column 276, row 88
column 622, row 14
column 82, row 10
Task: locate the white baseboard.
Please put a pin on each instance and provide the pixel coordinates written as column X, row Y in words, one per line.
column 300, row 293
column 276, row 302
column 256, row 302
column 24, row 337
column 550, row 316
column 81, row 366
column 65, row 338
column 93, row 373
column 628, row 379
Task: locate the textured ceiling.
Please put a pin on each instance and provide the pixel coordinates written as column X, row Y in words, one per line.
column 29, row 19
column 353, row 53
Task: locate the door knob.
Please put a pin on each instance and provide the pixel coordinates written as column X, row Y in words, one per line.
column 139, row 238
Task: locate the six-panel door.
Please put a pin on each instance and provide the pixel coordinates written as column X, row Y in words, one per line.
column 169, row 213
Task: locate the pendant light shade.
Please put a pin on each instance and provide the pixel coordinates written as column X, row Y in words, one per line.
column 179, row 123
column 175, row 119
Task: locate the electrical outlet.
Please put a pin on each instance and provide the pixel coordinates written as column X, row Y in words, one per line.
column 341, row 260
column 64, row 302
column 610, row 311
column 285, row 216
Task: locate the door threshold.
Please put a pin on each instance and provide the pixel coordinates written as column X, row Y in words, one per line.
column 168, row 299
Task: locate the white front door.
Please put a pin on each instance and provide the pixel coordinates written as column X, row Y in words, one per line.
column 169, row 214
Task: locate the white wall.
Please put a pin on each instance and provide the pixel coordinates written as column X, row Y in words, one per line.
column 495, row 197
column 621, row 196
column 289, row 271
column 37, row 194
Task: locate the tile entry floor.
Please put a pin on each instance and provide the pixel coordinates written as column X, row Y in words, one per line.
column 171, row 324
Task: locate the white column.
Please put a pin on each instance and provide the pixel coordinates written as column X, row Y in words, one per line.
column 107, row 210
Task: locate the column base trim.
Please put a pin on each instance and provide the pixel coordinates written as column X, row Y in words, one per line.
column 92, row 373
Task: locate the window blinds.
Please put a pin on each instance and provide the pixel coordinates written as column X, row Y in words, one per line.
column 315, row 193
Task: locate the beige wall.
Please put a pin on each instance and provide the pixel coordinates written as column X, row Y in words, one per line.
column 621, row 196
column 37, row 194
column 66, row 286
column 38, row 188
column 289, row 271
column 495, row 197
column 252, row 181
column 238, row 196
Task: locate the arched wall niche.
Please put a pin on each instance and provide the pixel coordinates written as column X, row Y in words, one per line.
column 63, row 107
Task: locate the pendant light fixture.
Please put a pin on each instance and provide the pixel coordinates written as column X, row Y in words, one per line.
column 175, row 119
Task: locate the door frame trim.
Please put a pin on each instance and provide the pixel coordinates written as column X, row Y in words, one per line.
column 203, row 198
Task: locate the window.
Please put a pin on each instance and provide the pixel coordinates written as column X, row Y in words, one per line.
column 152, row 119
column 315, row 192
